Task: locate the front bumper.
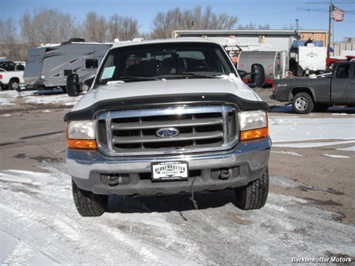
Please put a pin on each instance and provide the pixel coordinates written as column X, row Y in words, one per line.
column 245, row 163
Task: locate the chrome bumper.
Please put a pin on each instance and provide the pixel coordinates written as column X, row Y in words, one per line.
column 247, row 161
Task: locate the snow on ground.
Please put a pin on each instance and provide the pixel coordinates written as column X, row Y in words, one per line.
column 55, row 96
column 40, row 225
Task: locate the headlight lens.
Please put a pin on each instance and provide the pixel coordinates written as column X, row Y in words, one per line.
column 81, row 130
column 252, row 119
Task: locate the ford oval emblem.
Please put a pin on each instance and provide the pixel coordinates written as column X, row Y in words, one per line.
column 167, row 132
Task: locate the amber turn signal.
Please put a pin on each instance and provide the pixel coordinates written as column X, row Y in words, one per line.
column 81, row 144
column 254, row 133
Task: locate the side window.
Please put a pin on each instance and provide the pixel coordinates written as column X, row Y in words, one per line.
column 91, row 63
column 343, row 71
column 20, row 67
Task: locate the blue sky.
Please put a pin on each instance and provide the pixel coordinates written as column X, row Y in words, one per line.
column 276, row 13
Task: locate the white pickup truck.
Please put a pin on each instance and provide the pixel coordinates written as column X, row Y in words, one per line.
column 167, row 117
column 11, row 75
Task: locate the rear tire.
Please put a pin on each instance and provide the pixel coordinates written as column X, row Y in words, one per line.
column 87, row 203
column 13, row 85
column 254, row 195
column 302, row 103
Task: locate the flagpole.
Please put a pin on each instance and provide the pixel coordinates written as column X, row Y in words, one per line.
column 329, row 28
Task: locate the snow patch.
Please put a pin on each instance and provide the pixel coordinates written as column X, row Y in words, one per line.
column 288, row 153
column 337, row 156
column 352, row 148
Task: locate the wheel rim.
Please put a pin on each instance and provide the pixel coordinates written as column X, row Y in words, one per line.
column 301, row 103
column 14, row 86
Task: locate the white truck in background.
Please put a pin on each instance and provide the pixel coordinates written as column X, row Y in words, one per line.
column 11, row 75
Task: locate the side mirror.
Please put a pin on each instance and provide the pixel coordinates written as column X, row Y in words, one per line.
column 257, row 75
column 73, row 86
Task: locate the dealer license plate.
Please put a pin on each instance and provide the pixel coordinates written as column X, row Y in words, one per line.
column 169, row 171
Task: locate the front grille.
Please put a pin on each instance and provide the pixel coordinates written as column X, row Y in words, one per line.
column 197, row 128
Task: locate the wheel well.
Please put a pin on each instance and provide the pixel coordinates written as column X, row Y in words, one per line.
column 14, row 79
column 298, row 90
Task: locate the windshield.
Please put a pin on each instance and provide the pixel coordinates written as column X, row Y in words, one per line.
column 164, row 60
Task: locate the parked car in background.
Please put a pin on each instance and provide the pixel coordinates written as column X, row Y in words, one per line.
column 318, row 93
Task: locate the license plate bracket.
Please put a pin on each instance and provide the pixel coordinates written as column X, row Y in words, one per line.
column 168, row 171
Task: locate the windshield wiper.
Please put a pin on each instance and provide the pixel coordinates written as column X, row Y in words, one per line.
column 130, row 78
column 192, row 75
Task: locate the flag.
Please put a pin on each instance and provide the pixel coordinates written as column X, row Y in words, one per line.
column 337, row 14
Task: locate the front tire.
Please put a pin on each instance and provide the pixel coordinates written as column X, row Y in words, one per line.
column 254, row 195
column 87, row 203
column 302, row 103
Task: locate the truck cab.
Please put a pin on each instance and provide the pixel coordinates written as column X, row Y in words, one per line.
column 343, row 83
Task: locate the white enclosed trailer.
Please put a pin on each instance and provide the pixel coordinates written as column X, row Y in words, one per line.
column 48, row 66
column 275, row 63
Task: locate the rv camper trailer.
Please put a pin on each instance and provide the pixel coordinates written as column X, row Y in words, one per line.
column 49, row 65
column 275, row 63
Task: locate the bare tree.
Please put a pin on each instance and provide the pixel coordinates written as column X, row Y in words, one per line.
column 95, row 28
column 10, row 45
column 46, row 26
column 164, row 24
column 130, row 29
column 175, row 19
column 122, row 28
column 114, row 25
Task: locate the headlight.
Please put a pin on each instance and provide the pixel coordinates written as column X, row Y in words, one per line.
column 253, row 124
column 81, row 130
column 81, row 134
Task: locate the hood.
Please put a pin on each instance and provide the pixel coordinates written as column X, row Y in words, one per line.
column 223, row 84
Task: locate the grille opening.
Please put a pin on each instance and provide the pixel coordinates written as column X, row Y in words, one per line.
column 145, row 176
column 207, row 115
column 128, row 146
column 166, row 118
column 149, row 132
column 126, row 133
column 209, row 128
column 126, row 120
column 232, row 126
column 209, row 141
column 169, row 144
column 102, row 133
